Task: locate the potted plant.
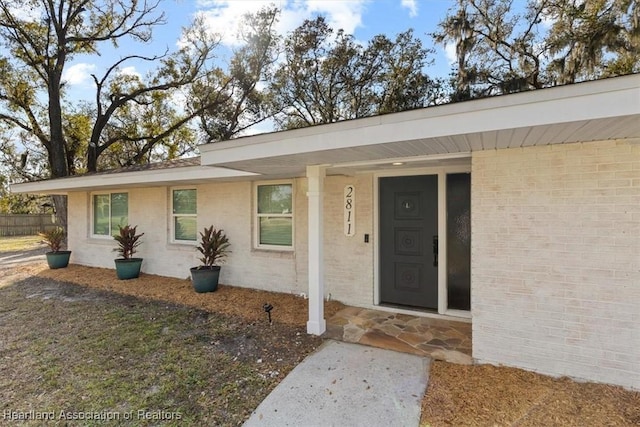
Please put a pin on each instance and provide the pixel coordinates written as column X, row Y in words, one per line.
column 54, row 238
column 214, row 247
column 128, row 267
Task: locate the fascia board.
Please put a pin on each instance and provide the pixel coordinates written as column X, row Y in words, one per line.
column 137, row 178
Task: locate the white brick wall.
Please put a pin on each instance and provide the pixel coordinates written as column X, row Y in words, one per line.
column 349, row 260
column 556, row 259
column 230, row 206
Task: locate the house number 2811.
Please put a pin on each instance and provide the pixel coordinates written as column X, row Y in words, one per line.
column 349, row 210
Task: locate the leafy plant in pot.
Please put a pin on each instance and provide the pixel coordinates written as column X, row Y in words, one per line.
column 54, row 238
column 128, row 267
column 214, row 247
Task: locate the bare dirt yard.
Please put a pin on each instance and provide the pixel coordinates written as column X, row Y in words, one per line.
column 78, row 340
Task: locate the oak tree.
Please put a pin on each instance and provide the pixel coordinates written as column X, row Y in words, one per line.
column 502, row 49
column 132, row 118
column 327, row 76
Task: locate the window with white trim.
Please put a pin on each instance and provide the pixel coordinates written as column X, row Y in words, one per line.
column 274, row 216
column 110, row 211
column 184, row 216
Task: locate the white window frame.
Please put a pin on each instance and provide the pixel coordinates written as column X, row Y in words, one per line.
column 257, row 216
column 172, row 215
column 93, row 216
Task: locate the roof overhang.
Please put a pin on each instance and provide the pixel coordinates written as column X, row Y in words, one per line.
column 590, row 111
column 160, row 177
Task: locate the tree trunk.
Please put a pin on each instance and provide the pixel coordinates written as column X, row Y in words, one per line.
column 60, row 206
column 57, row 150
column 92, row 157
column 94, row 149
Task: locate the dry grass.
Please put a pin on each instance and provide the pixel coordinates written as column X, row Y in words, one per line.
column 20, row 243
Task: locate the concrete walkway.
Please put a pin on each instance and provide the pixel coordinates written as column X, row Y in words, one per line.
column 344, row 384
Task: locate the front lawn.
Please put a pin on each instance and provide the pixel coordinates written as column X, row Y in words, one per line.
column 73, row 352
column 20, row 243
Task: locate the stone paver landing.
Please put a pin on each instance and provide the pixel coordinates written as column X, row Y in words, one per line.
column 436, row 338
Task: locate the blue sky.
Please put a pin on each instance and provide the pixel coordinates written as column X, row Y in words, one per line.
column 362, row 18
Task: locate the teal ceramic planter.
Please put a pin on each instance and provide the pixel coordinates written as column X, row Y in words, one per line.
column 58, row 259
column 128, row 268
column 205, row 279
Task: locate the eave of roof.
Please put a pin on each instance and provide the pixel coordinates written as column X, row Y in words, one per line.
column 175, row 172
column 589, row 111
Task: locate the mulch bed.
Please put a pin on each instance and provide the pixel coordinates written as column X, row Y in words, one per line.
column 288, row 309
column 486, row 395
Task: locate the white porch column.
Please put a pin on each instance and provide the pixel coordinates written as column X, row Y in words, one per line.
column 315, row 179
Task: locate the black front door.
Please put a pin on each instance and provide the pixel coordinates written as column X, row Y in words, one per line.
column 409, row 241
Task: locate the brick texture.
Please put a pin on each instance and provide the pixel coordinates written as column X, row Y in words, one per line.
column 556, row 260
column 349, row 260
column 230, row 206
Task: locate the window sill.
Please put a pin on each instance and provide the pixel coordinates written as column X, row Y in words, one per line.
column 180, row 246
column 183, row 242
column 101, row 240
column 273, row 249
column 274, row 253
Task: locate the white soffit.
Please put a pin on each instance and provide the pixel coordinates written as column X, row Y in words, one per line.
column 590, row 111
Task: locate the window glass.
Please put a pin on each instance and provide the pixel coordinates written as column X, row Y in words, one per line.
column 185, row 227
column 185, row 209
column 276, row 231
column 101, row 215
column 109, row 212
column 275, row 215
column 459, row 241
column 274, row 199
column 184, row 201
column 119, row 211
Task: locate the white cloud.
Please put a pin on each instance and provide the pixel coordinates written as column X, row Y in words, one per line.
column 178, row 99
column 30, row 13
column 78, row 74
column 224, row 16
column 346, row 15
column 412, row 5
column 547, row 21
column 450, row 53
column 130, row 71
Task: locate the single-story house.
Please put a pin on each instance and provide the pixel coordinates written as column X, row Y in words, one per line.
column 519, row 213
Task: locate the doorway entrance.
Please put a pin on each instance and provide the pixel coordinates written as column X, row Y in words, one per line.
column 422, row 263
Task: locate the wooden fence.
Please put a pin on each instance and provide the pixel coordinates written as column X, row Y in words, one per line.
column 25, row 225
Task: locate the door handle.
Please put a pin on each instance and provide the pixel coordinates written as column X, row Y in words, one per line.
column 435, row 251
